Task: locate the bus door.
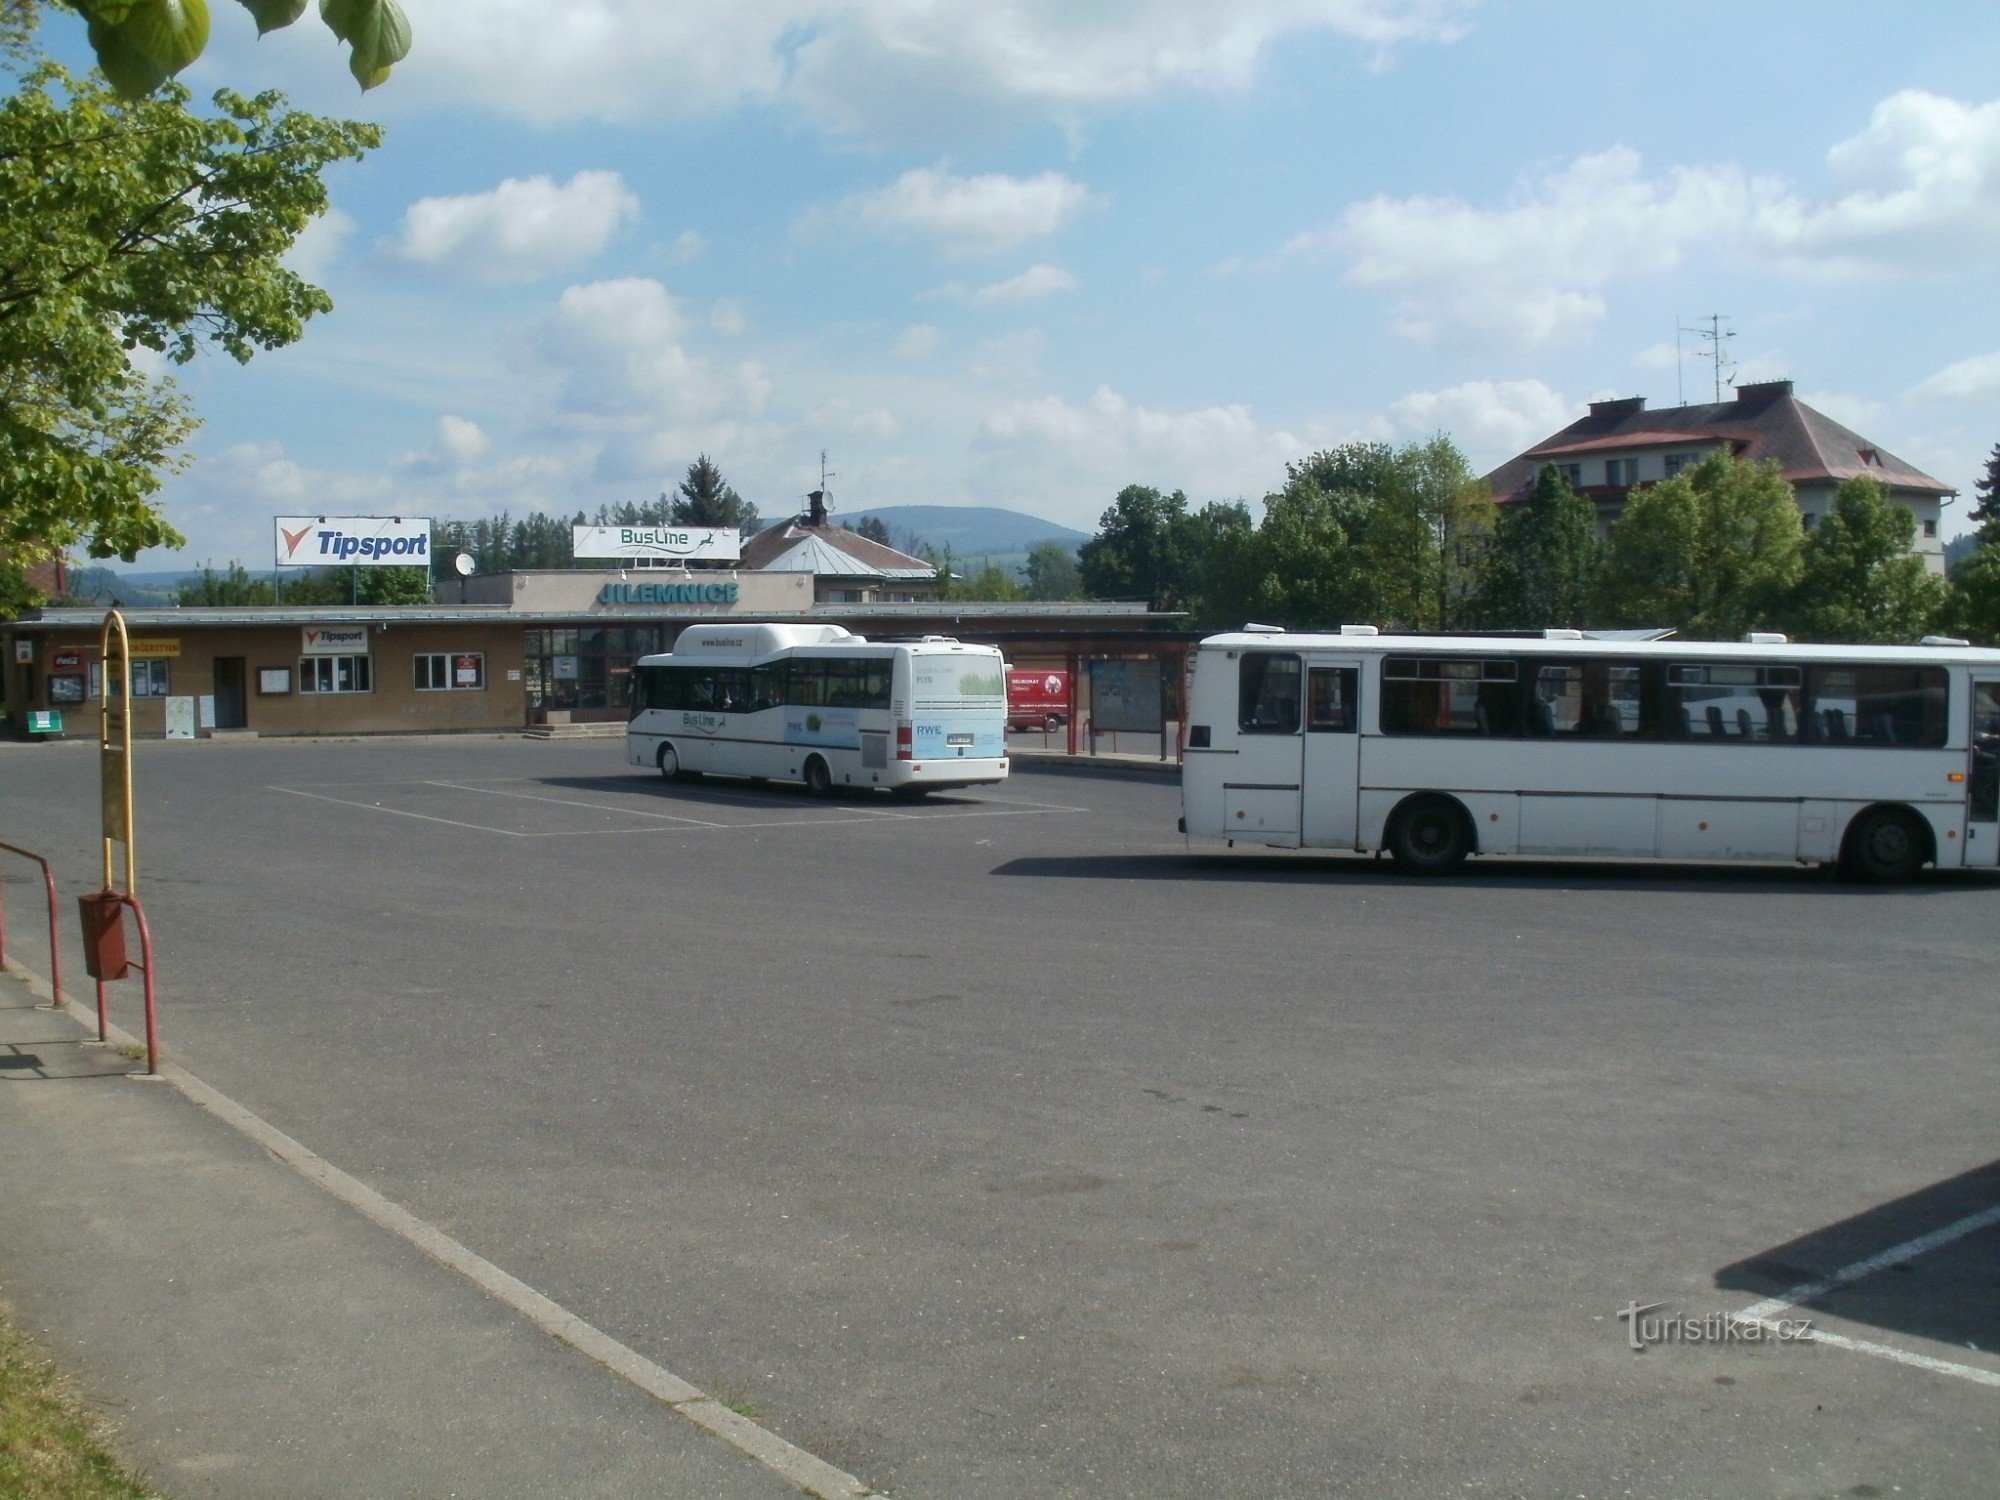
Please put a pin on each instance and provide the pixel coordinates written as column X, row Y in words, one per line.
column 1260, row 795
column 1982, row 776
column 1332, row 754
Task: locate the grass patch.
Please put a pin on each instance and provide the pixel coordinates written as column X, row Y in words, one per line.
column 51, row 1446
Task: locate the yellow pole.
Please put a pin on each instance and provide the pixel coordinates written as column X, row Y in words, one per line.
column 114, row 747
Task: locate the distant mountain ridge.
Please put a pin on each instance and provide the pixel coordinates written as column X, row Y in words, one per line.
column 969, row 530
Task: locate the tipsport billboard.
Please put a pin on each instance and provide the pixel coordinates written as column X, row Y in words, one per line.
column 353, row 542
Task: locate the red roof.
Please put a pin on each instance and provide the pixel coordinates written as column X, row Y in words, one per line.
column 1765, row 421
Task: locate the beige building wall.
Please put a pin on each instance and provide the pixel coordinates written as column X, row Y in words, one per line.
column 393, row 704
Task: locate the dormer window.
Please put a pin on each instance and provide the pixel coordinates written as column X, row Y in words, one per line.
column 1871, row 458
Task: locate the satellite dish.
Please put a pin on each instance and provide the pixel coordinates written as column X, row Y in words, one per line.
column 463, row 564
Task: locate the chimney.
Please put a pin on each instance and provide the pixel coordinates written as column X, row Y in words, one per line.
column 1769, row 390
column 816, row 508
column 1613, row 411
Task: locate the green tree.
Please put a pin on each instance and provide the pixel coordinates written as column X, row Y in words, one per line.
column 1859, row 580
column 1052, row 572
column 140, row 44
column 705, row 499
column 1425, row 538
column 128, row 224
column 233, row 586
column 1360, row 533
column 1712, row 552
column 1542, row 567
column 1987, row 488
column 875, row 529
column 990, row 582
column 1139, row 551
column 1974, row 609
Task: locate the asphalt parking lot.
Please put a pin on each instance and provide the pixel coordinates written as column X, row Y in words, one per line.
column 1001, row 1146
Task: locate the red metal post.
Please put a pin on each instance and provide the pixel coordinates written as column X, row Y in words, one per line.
column 55, row 945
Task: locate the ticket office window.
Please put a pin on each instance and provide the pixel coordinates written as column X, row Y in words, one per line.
column 335, row 674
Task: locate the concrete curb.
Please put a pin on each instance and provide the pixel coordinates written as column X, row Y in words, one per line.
column 1049, row 764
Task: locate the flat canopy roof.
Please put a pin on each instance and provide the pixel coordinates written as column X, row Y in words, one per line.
column 968, row 611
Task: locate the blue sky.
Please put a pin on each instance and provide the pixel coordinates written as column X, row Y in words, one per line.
column 1024, row 254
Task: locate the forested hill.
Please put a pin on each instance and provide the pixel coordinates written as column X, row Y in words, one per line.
column 969, row 530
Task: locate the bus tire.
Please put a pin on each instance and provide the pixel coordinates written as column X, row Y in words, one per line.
column 1885, row 846
column 1429, row 836
column 670, row 765
column 819, row 780
column 1052, row 723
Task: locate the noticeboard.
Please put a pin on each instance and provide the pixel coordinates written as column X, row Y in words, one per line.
column 1125, row 695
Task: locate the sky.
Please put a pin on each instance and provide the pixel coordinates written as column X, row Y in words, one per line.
column 1024, row 253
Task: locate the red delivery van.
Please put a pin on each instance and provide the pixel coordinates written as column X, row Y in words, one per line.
column 1037, row 700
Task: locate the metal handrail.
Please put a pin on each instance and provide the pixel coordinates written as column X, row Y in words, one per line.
column 55, row 946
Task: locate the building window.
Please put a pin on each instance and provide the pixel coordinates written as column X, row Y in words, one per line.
column 334, row 674
column 149, row 679
column 1930, row 526
column 1809, row 520
column 1573, row 473
column 444, row 671
column 1675, row 462
column 1621, row 472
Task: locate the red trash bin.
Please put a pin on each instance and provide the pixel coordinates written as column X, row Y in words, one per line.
column 103, row 915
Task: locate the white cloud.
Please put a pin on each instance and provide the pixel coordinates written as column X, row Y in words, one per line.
column 1920, row 185
column 1109, row 441
column 319, row 245
column 918, row 341
column 524, row 229
column 875, row 64
column 620, row 349
column 1032, row 284
column 967, row 215
column 1490, row 421
column 1974, row 379
column 1923, row 190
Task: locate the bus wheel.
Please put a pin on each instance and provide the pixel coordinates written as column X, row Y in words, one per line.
column 671, row 767
column 1429, row 836
column 1052, row 723
column 819, row 780
column 1885, row 846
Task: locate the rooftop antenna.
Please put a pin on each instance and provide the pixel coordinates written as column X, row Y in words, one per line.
column 1715, row 336
column 817, row 502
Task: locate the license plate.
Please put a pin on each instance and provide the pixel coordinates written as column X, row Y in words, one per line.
column 958, row 739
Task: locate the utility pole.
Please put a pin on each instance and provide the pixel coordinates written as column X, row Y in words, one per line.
column 1716, row 337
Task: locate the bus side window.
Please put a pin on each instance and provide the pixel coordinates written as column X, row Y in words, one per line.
column 1330, row 700
column 1268, row 696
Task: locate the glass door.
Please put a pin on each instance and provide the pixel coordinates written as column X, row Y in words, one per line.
column 1982, row 812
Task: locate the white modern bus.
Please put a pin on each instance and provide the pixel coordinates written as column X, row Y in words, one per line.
column 817, row 704
column 1879, row 758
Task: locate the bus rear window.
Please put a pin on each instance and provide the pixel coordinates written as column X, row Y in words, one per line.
column 958, row 678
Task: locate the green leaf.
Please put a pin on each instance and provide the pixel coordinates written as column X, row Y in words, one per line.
column 142, row 44
column 273, row 15
column 377, row 31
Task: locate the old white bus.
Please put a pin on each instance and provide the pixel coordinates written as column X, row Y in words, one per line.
column 817, row 704
column 1880, row 759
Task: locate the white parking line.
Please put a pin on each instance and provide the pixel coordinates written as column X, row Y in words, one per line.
column 637, row 812
column 1764, row 1313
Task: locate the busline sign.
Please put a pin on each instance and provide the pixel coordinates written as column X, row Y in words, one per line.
column 701, row 543
column 353, row 541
